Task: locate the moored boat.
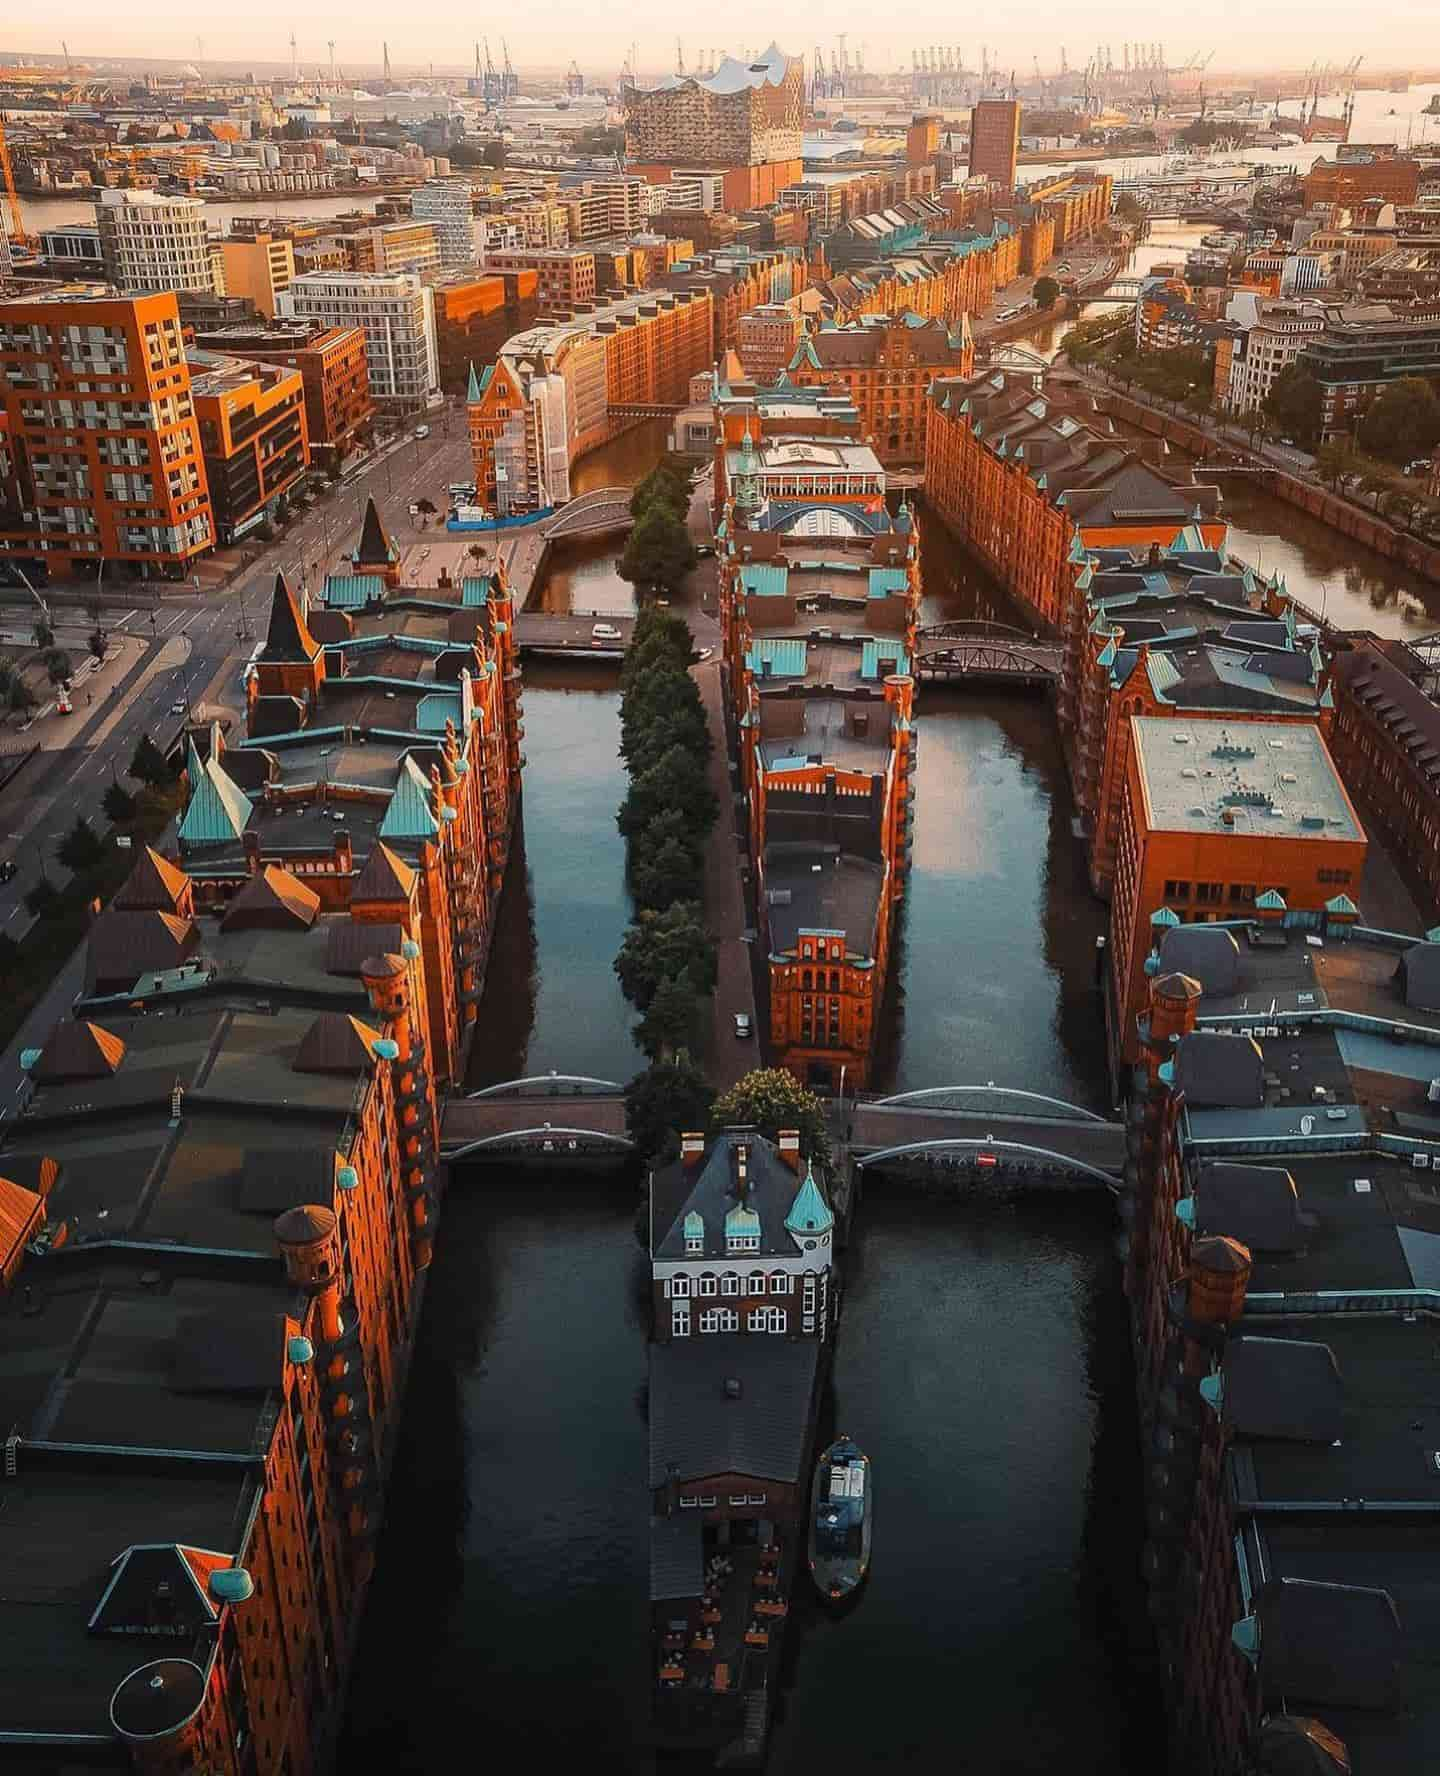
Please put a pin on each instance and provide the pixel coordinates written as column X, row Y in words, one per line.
column 841, row 1515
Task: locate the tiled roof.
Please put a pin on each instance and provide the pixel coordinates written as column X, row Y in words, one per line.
column 384, row 877
column 272, row 900
column 336, row 1043
column 287, row 638
column 21, row 1211
column 76, row 1049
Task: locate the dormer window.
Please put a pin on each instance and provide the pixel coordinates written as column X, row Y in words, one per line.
column 694, row 1235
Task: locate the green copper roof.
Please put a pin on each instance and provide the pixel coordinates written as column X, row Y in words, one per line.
column 352, row 591
column 410, row 815
column 1164, row 916
column 765, row 579
column 475, row 589
column 884, row 582
column 433, row 711
column 785, row 659
column 1270, row 901
column 873, row 652
column 694, row 1226
column 741, row 1222
column 219, row 809
column 472, row 392
column 809, row 1213
column 1343, row 906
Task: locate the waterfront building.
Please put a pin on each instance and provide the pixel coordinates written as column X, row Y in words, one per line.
column 106, row 463
column 558, row 390
column 1173, row 634
column 565, row 277
column 1221, row 819
column 150, row 243
column 1029, row 474
column 333, row 373
column 1360, row 172
column 883, row 233
column 1279, row 1237
column 258, row 267
column 950, row 279
column 744, row 1291
column 744, row 119
column 1267, row 337
column 1364, row 346
column 253, row 435
column 449, row 207
column 738, row 280
column 1387, row 745
column 886, row 366
column 71, row 249
column 995, row 141
column 830, row 199
column 396, row 313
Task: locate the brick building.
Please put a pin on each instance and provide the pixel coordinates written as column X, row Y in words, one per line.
column 333, row 370
column 1364, row 346
column 104, row 446
column 1221, row 820
column 565, row 277
column 766, row 338
column 886, row 366
column 995, row 141
column 1359, row 173
column 475, row 314
column 738, row 279
column 253, row 435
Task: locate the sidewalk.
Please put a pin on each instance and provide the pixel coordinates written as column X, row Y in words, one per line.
column 728, row 1058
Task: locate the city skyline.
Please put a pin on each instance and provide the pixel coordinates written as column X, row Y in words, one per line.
column 1405, row 37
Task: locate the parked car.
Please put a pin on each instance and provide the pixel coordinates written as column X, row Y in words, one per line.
column 743, row 1027
column 703, row 550
column 7, row 869
column 604, row 632
column 422, row 431
column 179, row 706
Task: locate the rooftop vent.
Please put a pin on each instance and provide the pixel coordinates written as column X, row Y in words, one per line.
column 733, row 1389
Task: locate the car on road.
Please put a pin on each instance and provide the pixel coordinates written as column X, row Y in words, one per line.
column 179, row 706
column 704, row 654
column 704, row 550
column 7, row 869
column 422, row 431
column 604, row 632
column 744, row 1028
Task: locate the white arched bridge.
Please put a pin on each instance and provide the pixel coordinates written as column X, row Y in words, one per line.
column 561, row 1118
column 977, row 652
column 597, row 513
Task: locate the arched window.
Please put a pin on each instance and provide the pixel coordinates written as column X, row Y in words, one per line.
column 757, row 1282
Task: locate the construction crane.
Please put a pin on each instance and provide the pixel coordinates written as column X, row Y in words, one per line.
column 386, row 48
column 574, row 82
column 17, row 234
column 510, row 79
column 679, row 57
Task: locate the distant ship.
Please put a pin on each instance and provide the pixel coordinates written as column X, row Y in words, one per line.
column 840, row 1520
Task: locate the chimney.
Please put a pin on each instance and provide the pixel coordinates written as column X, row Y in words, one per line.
column 740, row 1156
column 252, row 851
column 692, row 1149
column 789, row 1141
column 1152, row 559
column 344, row 854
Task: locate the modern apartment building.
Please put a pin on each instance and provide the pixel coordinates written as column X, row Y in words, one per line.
column 259, row 268
column 396, row 313
column 149, row 242
column 394, row 246
column 995, row 141
column 253, row 435
column 331, row 360
column 105, row 447
column 449, row 207
column 1364, row 346
column 475, row 313
column 1269, row 337
column 565, row 277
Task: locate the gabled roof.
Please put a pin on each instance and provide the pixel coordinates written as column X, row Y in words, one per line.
column 123, row 946
column 159, row 1589
column 375, row 548
column 385, row 877
column 153, row 885
column 272, row 900
column 288, row 638
column 219, row 809
column 336, row 1043
column 21, row 1212
column 410, row 815
column 76, row 1049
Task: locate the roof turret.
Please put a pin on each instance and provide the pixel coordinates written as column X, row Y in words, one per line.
column 809, row 1213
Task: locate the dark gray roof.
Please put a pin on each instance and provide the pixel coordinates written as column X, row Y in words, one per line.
column 1420, row 975
column 236, row 1352
column 708, row 1190
column 1256, row 1205
column 271, row 1182
column 1334, row 1644
column 698, row 1427
column 1207, row 952
column 1282, row 1387
column 1215, row 1070
column 677, row 1546
column 821, row 888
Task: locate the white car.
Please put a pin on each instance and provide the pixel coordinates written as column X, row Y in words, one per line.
column 422, row 431
column 604, row 632
column 742, row 1025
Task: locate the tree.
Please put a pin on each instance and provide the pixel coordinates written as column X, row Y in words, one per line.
column 493, row 154
column 667, row 690
column 665, row 870
column 80, row 850
column 57, row 663
column 658, row 550
column 118, row 803
column 44, row 900
column 1337, row 462
column 1046, row 292
column 662, row 486
column 1402, row 422
column 770, row 1099
column 10, row 953
column 1296, row 403
column 664, row 1102
column 677, row 780
column 19, row 695
column 148, row 764
column 98, row 641
column 42, row 635
column 685, row 728
column 426, row 508
column 660, row 946
column 668, row 1026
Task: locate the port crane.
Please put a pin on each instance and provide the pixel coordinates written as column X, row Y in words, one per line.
column 17, row 232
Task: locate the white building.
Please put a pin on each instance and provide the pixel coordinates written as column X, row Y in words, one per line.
column 447, row 205
column 150, row 242
column 1273, row 333
column 397, row 312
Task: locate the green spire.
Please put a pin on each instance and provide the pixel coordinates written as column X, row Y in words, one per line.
column 809, row 1213
column 472, row 394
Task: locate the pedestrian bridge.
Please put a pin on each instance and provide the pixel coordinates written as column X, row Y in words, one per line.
column 550, row 1116
column 988, row 1128
column 597, row 513
column 982, row 653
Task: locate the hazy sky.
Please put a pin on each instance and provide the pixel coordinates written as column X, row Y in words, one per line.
column 1286, row 33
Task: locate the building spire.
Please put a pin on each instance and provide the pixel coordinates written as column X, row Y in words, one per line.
column 472, row 393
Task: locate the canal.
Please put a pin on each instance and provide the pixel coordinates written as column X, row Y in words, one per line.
column 983, row 1358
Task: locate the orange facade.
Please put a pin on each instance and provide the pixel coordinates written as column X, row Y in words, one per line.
column 103, row 438
column 255, row 438
column 887, row 372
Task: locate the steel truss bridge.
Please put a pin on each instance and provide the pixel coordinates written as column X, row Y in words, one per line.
column 986, row 653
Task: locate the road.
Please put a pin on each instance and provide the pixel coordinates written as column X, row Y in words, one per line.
column 187, row 656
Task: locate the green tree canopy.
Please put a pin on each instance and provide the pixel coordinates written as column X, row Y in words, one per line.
column 658, row 551
column 1402, row 422
column 664, row 872
column 668, row 1026
column 1046, row 292
column 1296, row 404
column 770, row 1099
column 676, row 780
column 660, row 946
column 148, row 764
column 1337, row 461
column 44, row 901
column 667, row 1100
column 118, row 803
column 57, row 664
column 42, row 634
column 665, row 486
column 81, row 848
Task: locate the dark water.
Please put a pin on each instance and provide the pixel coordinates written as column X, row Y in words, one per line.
column 581, row 576
column 982, row 1359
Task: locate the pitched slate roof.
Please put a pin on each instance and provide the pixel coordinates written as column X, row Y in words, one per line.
column 375, row 548
column 288, row 637
column 336, row 1043
column 272, row 900
column 384, row 877
column 708, row 1189
column 76, row 1049
column 154, row 884
column 677, row 1546
column 703, row 1428
column 1282, row 1387
column 123, row 946
column 161, row 1589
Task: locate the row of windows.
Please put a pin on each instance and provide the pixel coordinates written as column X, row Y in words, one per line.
column 708, row 1501
column 678, row 1288
column 725, row 1319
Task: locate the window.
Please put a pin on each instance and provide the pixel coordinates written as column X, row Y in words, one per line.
column 1177, row 891
column 689, row 1504
column 706, row 1285
column 679, row 1288
column 1241, row 893
column 779, row 1283
column 708, row 1501
column 754, row 1498
column 1209, row 893
column 680, row 1322
column 730, row 1283
column 710, row 1320
column 756, row 1319
column 694, row 1248
column 757, row 1282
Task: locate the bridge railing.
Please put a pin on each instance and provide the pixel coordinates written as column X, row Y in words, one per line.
column 980, row 1145
column 991, row 1093
column 549, row 1085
